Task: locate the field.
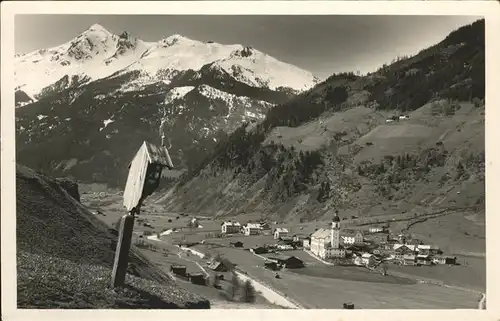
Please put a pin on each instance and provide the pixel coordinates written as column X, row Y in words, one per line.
column 310, row 286
column 164, row 253
column 164, row 256
column 467, row 230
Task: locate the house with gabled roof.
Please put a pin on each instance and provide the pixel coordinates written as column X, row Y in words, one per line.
column 289, row 262
column 368, row 259
column 280, row 232
column 252, row 229
column 230, row 227
column 355, row 237
column 218, row 266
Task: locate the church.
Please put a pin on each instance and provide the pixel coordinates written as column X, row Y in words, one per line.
column 325, row 243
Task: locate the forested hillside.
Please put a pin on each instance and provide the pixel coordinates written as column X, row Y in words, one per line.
column 335, row 147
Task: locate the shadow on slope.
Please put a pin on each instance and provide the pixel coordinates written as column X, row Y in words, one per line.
column 65, row 256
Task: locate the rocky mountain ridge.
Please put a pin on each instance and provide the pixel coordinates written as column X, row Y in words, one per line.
column 100, row 95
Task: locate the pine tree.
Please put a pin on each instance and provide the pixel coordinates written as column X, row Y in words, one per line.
column 460, row 170
column 321, row 193
column 234, row 287
column 248, row 292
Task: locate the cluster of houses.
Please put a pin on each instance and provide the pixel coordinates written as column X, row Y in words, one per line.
column 420, row 254
column 397, row 118
column 230, row 227
column 335, row 243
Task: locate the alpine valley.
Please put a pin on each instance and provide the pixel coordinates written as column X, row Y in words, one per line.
column 84, row 107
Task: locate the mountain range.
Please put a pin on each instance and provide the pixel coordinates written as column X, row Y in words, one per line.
column 84, row 107
column 405, row 140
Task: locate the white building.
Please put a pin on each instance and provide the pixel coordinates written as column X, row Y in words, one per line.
column 306, row 243
column 230, row 227
column 280, row 232
column 367, row 258
column 356, row 238
column 416, row 248
column 326, row 243
column 252, row 229
column 358, row 261
column 376, row 229
column 284, row 247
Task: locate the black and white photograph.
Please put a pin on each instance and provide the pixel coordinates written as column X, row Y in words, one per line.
column 168, row 161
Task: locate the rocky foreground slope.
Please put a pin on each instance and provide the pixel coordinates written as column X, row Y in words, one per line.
column 65, row 256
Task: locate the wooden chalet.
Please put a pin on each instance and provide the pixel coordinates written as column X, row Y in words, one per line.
column 236, row 244
column 289, row 262
column 271, row 265
column 409, row 259
column 197, row 278
column 445, row 260
column 424, row 259
column 259, row 250
column 218, row 266
column 178, row 270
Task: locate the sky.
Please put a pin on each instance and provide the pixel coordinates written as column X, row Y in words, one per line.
column 322, row 45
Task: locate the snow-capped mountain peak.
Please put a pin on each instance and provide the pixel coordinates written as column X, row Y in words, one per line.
column 173, row 39
column 244, row 52
column 96, row 41
column 98, row 28
column 97, row 53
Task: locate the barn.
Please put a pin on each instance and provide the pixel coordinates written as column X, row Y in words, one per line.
column 236, row 244
column 197, row 278
column 219, row 266
column 178, row 269
column 259, row 250
column 289, row 262
column 271, row 265
column 144, row 174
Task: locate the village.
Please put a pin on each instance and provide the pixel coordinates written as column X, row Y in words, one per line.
column 333, row 246
column 283, row 257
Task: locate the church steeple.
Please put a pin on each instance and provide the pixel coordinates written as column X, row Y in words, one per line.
column 336, row 221
column 335, row 231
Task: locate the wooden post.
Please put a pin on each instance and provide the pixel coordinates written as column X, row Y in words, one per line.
column 122, row 250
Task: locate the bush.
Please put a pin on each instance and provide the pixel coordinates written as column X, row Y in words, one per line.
column 477, row 102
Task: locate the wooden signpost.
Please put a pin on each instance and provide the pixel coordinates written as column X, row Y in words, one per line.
column 143, row 179
column 122, row 250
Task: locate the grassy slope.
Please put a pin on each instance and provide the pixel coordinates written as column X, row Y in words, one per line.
column 65, row 256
